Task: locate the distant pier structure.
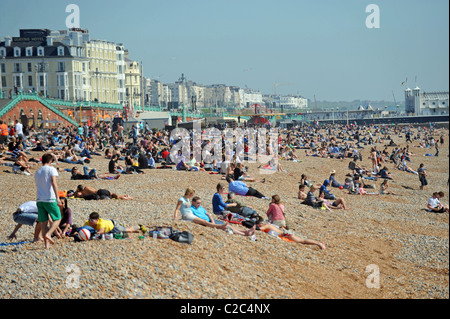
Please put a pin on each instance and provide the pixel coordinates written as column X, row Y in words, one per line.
column 423, row 103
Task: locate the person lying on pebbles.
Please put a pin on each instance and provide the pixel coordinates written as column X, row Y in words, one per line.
column 90, row 193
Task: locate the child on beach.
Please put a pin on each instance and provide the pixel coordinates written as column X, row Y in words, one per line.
column 362, row 191
column 109, row 226
column 384, row 188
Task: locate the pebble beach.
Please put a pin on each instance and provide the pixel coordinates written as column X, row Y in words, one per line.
column 390, row 235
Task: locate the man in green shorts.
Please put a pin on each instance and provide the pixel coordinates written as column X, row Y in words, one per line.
column 47, row 199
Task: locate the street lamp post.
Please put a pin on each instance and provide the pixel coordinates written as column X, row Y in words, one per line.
column 44, row 66
column 1, row 77
column 97, row 73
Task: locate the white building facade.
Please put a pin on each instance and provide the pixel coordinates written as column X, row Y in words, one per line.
column 423, row 103
column 250, row 97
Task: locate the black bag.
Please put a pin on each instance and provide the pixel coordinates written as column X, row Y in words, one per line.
column 182, row 237
column 248, row 223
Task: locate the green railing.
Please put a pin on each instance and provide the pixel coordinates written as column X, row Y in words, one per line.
column 53, row 104
column 85, row 104
column 34, row 97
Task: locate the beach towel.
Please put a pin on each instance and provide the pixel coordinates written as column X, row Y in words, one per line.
column 282, row 237
column 15, row 244
column 232, row 219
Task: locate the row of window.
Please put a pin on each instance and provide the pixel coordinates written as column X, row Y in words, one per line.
column 40, row 117
column 19, row 81
column 78, row 66
column 29, row 51
column 30, row 67
column 62, row 80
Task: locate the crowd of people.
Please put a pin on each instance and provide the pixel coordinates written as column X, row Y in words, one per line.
column 148, row 149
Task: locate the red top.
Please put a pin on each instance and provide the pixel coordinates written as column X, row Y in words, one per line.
column 275, row 212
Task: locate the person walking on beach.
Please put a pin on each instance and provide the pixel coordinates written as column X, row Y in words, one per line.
column 48, row 200
column 422, row 176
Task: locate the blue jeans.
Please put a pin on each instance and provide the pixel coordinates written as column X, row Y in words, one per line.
column 91, row 174
column 85, row 153
column 72, row 162
column 248, row 212
column 25, row 218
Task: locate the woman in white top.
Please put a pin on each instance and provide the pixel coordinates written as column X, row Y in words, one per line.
column 184, row 207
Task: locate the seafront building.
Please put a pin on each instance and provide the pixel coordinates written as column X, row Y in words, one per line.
column 133, row 82
column 49, row 62
column 103, row 71
column 286, row 102
column 423, row 103
column 67, row 65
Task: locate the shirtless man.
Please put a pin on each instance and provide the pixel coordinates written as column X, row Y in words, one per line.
column 85, row 191
column 301, row 192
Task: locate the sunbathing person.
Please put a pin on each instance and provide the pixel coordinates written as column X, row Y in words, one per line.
column 333, row 181
column 384, row 173
column 193, row 165
column 339, row 203
column 201, row 213
column 287, row 234
column 362, row 191
column 240, row 209
column 240, row 188
column 311, row 200
column 301, row 192
column 384, row 188
column 88, row 174
column 183, row 208
column 435, row 205
column 238, row 174
column 23, row 166
column 90, row 193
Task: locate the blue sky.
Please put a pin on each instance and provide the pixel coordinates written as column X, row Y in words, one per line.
column 320, row 48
